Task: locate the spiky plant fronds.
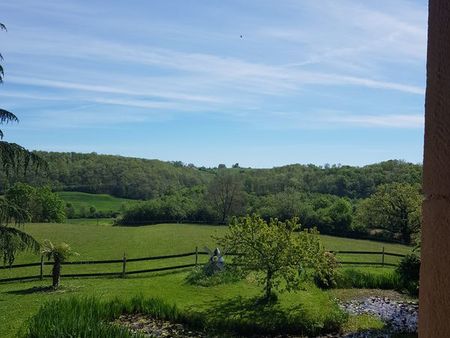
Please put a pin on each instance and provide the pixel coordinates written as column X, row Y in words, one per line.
column 59, row 253
column 13, row 240
column 14, row 156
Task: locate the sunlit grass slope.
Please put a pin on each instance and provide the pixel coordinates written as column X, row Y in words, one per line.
column 101, row 202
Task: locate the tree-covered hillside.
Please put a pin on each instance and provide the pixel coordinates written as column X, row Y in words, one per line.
column 116, row 175
column 145, row 179
column 344, row 181
column 335, row 199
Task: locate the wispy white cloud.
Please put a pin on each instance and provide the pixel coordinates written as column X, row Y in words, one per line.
column 384, row 121
column 359, row 37
column 350, row 45
column 108, row 89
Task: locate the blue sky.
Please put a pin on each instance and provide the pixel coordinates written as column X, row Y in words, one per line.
column 329, row 81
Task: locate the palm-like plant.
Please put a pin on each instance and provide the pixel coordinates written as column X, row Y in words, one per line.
column 58, row 253
column 13, row 157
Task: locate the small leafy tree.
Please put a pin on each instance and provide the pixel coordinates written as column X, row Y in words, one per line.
column 276, row 250
column 58, row 253
column 226, row 195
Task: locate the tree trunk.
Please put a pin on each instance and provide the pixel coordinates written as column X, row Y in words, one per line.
column 56, row 273
column 268, row 285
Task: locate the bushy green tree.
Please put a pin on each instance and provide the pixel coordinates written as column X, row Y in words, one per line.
column 330, row 214
column 50, row 206
column 409, row 272
column 394, row 207
column 277, row 251
column 41, row 204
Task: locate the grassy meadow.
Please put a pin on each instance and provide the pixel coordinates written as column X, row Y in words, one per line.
column 19, row 300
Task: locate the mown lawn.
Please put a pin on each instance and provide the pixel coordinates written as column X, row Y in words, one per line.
column 20, row 300
column 108, row 242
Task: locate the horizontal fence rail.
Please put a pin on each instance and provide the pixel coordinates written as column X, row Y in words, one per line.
column 124, row 260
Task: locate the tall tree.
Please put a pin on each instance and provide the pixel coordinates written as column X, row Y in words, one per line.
column 394, row 207
column 226, row 195
column 13, row 157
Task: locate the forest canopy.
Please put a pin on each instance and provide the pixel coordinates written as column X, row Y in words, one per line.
column 334, row 199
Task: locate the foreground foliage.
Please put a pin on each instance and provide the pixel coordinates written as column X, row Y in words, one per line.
column 91, row 317
column 200, row 276
column 409, row 272
column 17, row 158
column 13, row 239
column 355, row 278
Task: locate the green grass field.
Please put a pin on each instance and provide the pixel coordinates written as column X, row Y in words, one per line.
column 19, row 300
column 101, row 202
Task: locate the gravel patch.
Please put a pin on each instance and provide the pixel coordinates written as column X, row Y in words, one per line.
column 400, row 317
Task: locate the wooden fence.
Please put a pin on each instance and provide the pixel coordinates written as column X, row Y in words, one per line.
column 124, row 260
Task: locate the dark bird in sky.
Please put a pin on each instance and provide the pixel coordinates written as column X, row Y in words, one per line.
column 241, row 36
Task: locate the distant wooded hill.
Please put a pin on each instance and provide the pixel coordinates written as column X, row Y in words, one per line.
column 145, row 179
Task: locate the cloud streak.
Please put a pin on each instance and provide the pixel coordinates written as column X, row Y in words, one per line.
column 345, row 56
column 379, row 121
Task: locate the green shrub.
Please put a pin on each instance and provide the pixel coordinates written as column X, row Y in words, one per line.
column 73, row 317
column 199, row 276
column 91, row 317
column 325, row 272
column 409, row 271
column 352, row 278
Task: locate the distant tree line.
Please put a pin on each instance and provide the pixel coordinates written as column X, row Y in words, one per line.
column 392, row 212
column 115, row 175
column 146, row 179
column 379, row 200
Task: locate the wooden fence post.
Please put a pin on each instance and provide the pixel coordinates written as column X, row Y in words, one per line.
column 124, row 264
column 41, row 276
column 196, row 255
column 382, row 257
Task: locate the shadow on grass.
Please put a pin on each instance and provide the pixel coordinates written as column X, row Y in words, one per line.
column 252, row 317
column 40, row 289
